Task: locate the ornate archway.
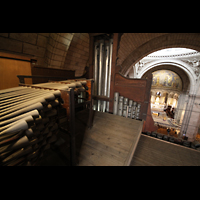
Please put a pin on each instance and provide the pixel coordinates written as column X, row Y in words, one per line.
column 169, row 64
column 188, row 70
column 150, row 43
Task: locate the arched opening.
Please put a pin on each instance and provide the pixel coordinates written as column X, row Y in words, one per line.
column 175, row 78
column 150, row 43
column 166, row 89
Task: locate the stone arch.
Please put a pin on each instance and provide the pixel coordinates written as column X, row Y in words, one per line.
column 185, row 40
column 180, row 64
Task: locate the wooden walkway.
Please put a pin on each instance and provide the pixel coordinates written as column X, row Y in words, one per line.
column 155, row 152
column 111, row 141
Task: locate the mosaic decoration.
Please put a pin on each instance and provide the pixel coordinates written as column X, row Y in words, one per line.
column 167, row 79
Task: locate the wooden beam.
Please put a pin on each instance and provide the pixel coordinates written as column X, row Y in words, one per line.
column 103, row 98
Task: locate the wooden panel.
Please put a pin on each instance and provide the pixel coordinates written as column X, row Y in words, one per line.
column 131, row 88
column 149, row 123
column 136, row 89
column 9, row 69
column 89, row 90
column 111, row 141
column 155, row 152
column 43, row 71
column 16, row 56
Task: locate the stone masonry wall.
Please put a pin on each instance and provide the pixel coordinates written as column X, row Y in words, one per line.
column 78, row 53
column 28, row 44
column 53, row 50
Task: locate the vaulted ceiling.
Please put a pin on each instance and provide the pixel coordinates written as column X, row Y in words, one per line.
column 134, row 46
column 71, row 50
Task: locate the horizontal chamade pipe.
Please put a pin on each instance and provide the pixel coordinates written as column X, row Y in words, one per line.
column 23, row 97
column 29, row 121
column 24, row 89
column 37, row 106
column 21, row 125
column 17, row 154
column 32, row 132
column 29, row 95
column 20, row 106
column 14, row 94
column 7, row 138
column 22, row 142
column 46, row 96
column 42, row 99
column 11, row 89
column 33, row 113
column 15, row 122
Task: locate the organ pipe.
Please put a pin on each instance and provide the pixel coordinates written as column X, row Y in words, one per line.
column 126, row 107
column 105, row 75
column 95, row 73
column 109, row 73
column 102, row 72
column 29, row 119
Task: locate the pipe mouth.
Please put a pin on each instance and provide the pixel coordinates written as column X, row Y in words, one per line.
column 30, row 122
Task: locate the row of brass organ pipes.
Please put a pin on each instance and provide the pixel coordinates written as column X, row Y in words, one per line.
column 102, row 72
column 29, row 120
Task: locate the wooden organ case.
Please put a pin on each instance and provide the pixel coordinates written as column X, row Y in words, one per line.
column 139, row 91
column 108, row 80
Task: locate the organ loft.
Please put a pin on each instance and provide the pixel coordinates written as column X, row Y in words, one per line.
column 99, row 99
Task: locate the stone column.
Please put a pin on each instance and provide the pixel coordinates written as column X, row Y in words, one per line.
column 175, row 101
column 162, row 98
column 153, row 96
column 191, row 120
column 180, row 109
column 170, row 99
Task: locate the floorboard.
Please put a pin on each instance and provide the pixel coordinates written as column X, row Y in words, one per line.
column 111, row 141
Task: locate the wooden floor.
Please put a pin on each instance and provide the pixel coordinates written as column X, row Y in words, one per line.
column 99, row 146
column 111, row 141
column 155, row 152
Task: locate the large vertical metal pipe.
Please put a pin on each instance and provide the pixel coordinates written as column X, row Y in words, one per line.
column 109, row 73
column 95, row 72
column 100, row 72
column 106, row 66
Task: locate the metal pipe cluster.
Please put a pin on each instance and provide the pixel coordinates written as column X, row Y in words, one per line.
column 77, row 85
column 30, row 118
column 28, row 123
column 102, row 73
column 126, row 107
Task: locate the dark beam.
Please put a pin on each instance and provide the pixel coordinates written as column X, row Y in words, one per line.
column 103, row 98
column 95, row 34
